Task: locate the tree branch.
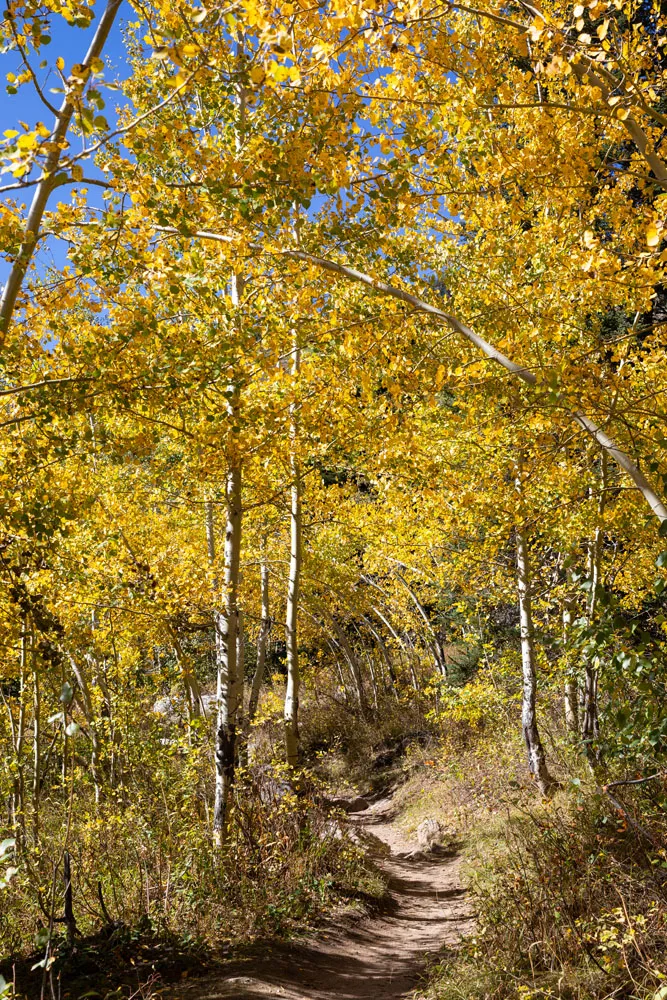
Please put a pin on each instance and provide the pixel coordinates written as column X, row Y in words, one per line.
column 31, row 230
column 521, row 371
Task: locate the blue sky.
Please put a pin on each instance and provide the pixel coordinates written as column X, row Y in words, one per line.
column 70, row 43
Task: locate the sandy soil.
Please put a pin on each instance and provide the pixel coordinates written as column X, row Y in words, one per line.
column 381, row 956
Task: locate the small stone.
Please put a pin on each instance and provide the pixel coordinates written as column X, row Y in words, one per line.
column 429, row 834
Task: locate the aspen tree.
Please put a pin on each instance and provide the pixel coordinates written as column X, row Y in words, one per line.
column 385, row 654
column 226, row 631
column 536, row 756
column 86, row 703
column 36, row 738
column 531, row 735
column 291, row 711
column 571, row 692
column 589, row 721
column 262, row 636
column 353, row 663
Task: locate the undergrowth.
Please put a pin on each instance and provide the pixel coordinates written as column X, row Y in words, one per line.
column 353, row 751
column 569, row 896
column 146, row 881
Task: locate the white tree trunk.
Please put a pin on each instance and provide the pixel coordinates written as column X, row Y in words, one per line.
column 227, row 621
column 536, row 756
column 226, row 628
column 190, row 682
column 589, row 723
column 353, row 662
column 371, row 670
column 436, row 649
column 396, row 637
column 36, row 749
column 86, row 704
column 291, row 712
column 262, row 638
column 571, row 692
column 241, row 723
column 385, row 653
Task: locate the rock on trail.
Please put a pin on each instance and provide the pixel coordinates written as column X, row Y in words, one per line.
column 382, row 956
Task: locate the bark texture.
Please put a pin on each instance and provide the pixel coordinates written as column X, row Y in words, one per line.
column 262, row 639
column 531, row 734
column 571, row 689
column 291, row 713
column 590, row 728
column 226, row 630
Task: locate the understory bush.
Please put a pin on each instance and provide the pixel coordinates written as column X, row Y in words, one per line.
column 350, row 746
column 148, row 866
column 571, row 902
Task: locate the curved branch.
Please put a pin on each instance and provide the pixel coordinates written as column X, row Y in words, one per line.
column 586, row 423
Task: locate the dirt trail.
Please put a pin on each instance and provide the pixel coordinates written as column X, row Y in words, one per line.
column 381, row 956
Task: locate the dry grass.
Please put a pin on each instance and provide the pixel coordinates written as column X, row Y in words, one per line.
column 571, row 901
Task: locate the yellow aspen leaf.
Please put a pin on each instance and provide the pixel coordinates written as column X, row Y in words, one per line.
column 578, row 10
column 279, row 73
column 257, row 75
column 60, row 63
column 602, row 29
column 652, row 235
column 585, row 38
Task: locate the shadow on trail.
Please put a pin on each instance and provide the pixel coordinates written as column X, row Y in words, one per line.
column 382, row 956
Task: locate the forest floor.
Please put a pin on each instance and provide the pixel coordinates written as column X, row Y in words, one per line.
column 382, row 955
